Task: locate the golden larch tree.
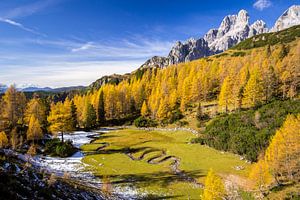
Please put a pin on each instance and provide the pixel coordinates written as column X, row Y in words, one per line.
column 283, row 153
column 260, row 175
column 60, row 119
column 214, row 187
column 144, row 110
column 3, row 140
column 34, row 131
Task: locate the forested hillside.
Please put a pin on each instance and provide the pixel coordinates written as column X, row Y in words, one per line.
column 237, row 79
column 248, row 132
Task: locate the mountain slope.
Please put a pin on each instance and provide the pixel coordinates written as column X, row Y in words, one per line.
column 285, row 36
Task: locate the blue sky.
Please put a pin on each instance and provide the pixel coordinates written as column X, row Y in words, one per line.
column 73, row 42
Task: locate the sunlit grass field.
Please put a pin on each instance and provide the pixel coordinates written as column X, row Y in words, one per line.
column 146, row 160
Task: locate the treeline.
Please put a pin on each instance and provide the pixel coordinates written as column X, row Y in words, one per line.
column 258, row 77
column 26, row 121
column 164, row 95
column 21, row 120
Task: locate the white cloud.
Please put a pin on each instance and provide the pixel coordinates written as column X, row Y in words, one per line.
column 84, row 47
column 262, row 4
column 30, row 9
column 60, row 74
column 21, row 26
column 64, row 67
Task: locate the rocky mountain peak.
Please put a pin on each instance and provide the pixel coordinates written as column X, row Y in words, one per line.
column 232, row 30
column 243, row 17
column 258, row 27
column 289, row 18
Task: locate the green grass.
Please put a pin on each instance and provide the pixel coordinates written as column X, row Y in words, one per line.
column 158, row 179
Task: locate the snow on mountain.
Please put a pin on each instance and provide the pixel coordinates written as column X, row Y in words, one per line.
column 289, row 18
column 232, row 30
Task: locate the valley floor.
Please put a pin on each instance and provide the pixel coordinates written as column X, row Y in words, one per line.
column 159, row 164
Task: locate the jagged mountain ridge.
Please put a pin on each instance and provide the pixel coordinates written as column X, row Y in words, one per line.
column 232, row 30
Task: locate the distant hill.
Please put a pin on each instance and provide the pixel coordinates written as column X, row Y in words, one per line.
column 111, row 79
column 3, row 88
column 35, row 89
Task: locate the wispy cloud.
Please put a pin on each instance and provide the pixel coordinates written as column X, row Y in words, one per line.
column 26, row 10
column 73, row 62
column 83, row 47
column 262, row 4
column 30, row 9
column 21, row 26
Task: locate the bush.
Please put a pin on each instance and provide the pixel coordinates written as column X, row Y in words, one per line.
column 199, row 140
column 182, row 123
column 239, row 132
column 144, row 122
column 55, row 147
column 238, row 54
column 175, row 116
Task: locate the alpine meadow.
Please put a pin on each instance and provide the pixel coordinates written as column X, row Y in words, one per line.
column 97, row 103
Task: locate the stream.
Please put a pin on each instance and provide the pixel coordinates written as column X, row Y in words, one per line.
column 72, row 166
column 75, row 169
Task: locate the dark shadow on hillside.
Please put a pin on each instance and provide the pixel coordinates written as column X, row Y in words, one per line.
column 160, row 178
column 281, row 187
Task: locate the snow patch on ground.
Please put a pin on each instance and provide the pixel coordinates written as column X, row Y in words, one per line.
column 74, row 167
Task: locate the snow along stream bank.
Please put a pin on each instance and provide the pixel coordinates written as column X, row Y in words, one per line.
column 74, row 168
column 71, row 166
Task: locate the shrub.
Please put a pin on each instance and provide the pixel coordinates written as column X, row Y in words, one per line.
column 175, row 116
column 32, row 150
column 183, row 123
column 145, row 122
column 238, row 54
column 55, row 147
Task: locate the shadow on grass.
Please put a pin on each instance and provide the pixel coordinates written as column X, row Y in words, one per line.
column 162, row 179
column 158, row 197
column 124, row 150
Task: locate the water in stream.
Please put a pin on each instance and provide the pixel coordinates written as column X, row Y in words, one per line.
column 74, row 168
column 71, row 165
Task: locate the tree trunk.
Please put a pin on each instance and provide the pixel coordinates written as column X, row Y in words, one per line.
column 62, row 137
